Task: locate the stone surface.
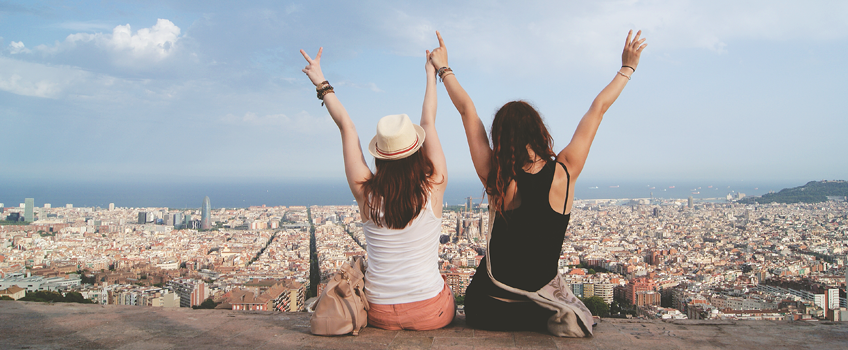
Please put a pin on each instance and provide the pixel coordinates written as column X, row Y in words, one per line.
column 26, row 325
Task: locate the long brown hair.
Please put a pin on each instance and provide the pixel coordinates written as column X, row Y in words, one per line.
column 516, row 125
column 398, row 190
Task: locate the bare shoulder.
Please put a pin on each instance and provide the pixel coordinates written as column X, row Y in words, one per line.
column 561, row 176
column 560, row 189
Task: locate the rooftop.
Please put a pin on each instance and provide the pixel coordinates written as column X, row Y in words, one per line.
column 81, row 326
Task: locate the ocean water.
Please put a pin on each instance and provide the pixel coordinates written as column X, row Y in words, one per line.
column 239, row 195
column 677, row 189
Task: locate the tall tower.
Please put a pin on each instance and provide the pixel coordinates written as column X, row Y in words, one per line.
column 458, row 228
column 178, row 221
column 205, row 211
column 690, row 202
column 29, row 205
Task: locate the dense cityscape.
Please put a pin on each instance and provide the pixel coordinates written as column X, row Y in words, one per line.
column 649, row 258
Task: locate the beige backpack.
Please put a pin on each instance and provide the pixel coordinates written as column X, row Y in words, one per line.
column 341, row 309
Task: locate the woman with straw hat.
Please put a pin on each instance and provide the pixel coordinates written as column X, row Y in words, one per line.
column 401, row 207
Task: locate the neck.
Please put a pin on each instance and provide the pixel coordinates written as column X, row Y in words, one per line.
column 534, row 164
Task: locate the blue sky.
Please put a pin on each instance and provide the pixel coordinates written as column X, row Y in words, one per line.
column 212, row 91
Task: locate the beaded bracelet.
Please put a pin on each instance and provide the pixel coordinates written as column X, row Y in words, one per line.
column 624, row 75
column 442, row 71
column 323, row 89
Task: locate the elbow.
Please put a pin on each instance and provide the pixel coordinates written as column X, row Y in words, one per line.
column 600, row 107
column 462, row 109
column 466, row 110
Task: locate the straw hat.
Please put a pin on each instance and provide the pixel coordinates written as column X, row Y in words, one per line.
column 397, row 138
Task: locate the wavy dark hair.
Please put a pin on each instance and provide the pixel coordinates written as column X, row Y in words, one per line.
column 516, row 125
column 398, row 190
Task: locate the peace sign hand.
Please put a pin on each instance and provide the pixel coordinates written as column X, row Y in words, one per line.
column 313, row 69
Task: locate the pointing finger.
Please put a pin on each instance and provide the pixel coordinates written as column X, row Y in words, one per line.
column 441, row 41
column 318, row 56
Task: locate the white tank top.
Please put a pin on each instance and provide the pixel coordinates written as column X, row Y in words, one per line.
column 403, row 265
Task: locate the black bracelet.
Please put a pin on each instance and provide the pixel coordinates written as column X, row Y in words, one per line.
column 634, row 69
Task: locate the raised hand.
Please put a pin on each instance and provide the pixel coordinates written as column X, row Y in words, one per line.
column 439, row 56
column 632, row 50
column 428, row 66
column 313, row 69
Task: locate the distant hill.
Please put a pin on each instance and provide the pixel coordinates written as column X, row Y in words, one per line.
column 812, row 192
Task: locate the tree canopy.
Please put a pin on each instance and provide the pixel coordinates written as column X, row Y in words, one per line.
column 56, row 297
column 597, row 306
column 812, row 192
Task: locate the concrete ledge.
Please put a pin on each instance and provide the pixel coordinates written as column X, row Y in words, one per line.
column 26, row 325
column 704, row 322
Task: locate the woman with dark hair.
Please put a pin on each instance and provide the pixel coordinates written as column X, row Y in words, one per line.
column 530, row 192
column 401, row 207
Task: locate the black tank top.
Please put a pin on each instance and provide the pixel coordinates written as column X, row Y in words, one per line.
column 527, row 241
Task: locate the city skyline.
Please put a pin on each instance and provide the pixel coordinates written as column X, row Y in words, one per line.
column 125, row 91
column 659, row 259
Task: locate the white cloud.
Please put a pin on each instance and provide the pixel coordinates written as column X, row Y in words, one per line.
column 147, row 45
column 17, row 47
column 80, row 86
column 15, row 84
column 32, row 79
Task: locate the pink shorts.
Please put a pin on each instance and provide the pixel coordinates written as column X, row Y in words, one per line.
column 433, row 313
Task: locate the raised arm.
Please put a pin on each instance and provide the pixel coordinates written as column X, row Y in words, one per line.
column 574, row 155
column 475, row 132
column 432, row 145
column 356, row 170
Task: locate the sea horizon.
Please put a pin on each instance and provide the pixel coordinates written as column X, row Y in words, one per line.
column 329, row 192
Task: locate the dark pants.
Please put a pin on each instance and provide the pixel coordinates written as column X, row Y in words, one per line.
column 484, row 312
